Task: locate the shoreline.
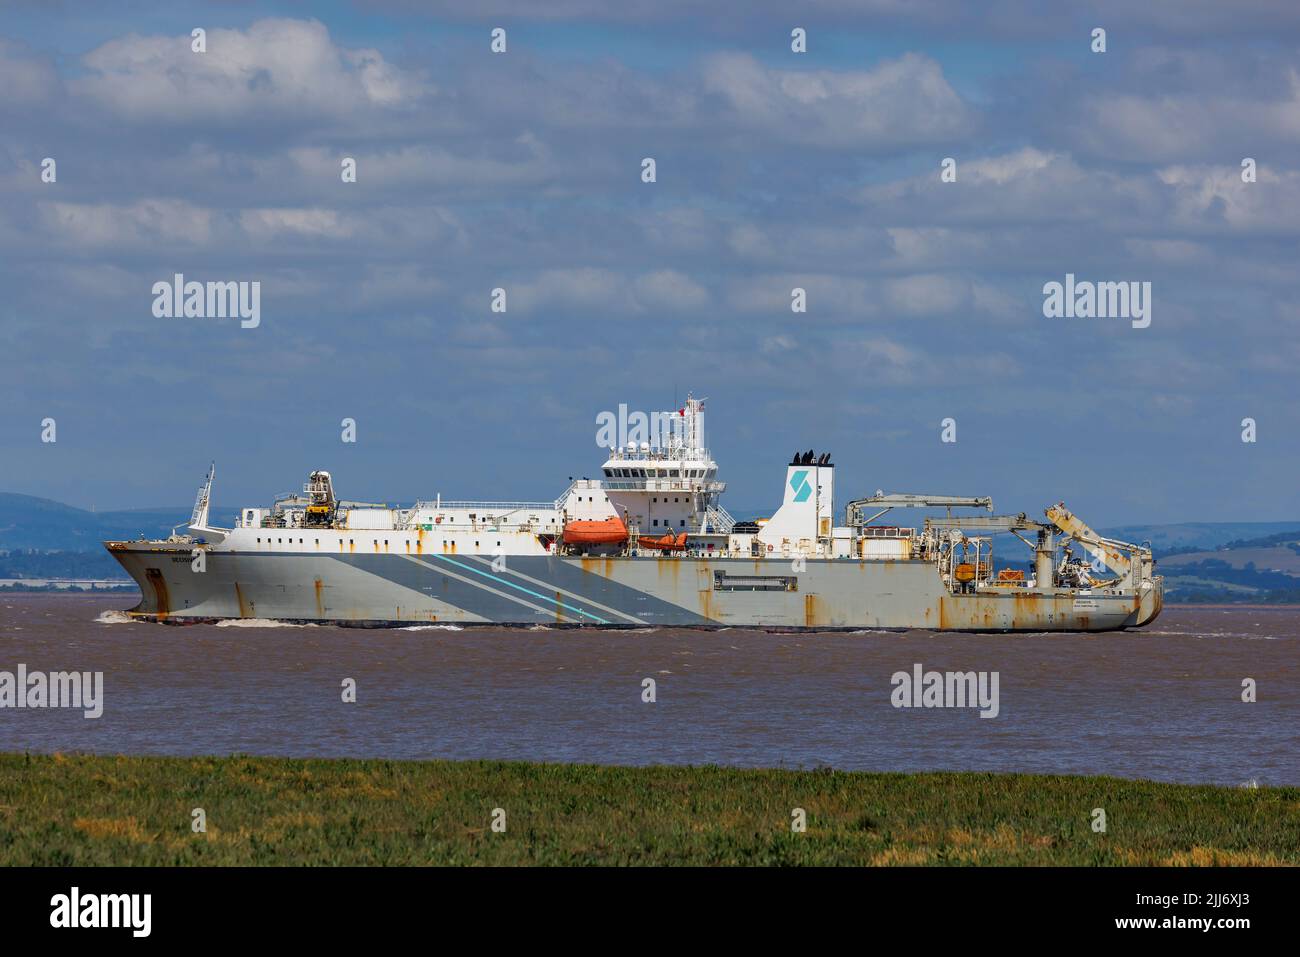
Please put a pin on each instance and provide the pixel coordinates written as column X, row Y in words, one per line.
column 86, row 810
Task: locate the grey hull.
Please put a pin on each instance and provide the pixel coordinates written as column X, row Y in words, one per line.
column 398, row 589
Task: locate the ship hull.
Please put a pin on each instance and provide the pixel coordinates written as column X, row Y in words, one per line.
column 386, row 589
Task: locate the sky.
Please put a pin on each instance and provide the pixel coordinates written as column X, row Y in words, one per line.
column 522, row 170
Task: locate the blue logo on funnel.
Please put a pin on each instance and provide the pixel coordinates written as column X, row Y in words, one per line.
column 799, row 482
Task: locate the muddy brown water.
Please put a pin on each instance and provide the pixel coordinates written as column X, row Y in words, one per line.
column 1162, row 702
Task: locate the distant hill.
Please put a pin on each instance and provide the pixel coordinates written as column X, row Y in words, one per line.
column 1197, row 535
column 1279, row 559
column 29, row 522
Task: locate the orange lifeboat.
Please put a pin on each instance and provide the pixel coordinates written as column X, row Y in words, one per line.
column 667, row 543
column 606, row 531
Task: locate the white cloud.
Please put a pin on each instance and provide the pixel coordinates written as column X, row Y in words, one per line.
column 264, row 224
column 527, row 162
column 1190, row 123
column 26, row 80
column 281, row 67
column 898, row 102
column 669, row 290
column 777, row 345
column 830, row 298
column 928, row 295
column 1215, row 196
column 149, row 221
column 603, row 291
column 1024, row 186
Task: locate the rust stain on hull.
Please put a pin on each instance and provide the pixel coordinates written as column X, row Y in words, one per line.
column 706, row 603
column 810, row 611
column 320, row 602
column 161, row 596
column 244, row 610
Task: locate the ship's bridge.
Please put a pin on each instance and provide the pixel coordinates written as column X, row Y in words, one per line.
column 671, row 485
column 636, row 469
column 676, row 462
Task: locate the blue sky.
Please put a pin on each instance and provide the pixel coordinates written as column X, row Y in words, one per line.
column 775, row 170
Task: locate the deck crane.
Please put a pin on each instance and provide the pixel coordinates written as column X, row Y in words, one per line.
column 854, row 509
column 1125, row 560
column 1118, row 556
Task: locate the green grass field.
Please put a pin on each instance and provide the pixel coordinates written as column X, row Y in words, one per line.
column 80, row 810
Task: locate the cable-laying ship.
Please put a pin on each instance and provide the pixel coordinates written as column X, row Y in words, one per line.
column 647, row 544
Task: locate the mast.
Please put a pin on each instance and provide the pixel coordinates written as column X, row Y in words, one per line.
column 202, row 503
